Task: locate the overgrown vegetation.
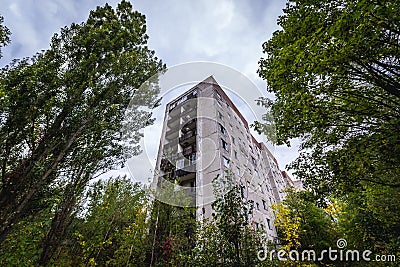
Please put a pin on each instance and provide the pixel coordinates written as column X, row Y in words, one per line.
column 69, row 114
column 334, row 69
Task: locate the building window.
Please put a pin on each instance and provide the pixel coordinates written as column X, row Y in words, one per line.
column 250, row 172
column 269, row 224
column 220, row 116
column 233, row 140
column 265, row 204
column 172, row 106
column 235, row 153
column 183, row 99
column 224, row 144
column 222, row 129
column 230, row 125
column 226, row 162
column 219, row 104
column 218, row 95
column 257, row 206
column 253, row 160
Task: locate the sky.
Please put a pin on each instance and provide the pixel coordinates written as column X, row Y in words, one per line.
column 229, row 33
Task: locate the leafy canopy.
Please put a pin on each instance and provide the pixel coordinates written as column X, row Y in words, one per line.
column 334, row 68
column 66, row 113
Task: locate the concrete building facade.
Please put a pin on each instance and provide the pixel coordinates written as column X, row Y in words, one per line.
column 204, row 135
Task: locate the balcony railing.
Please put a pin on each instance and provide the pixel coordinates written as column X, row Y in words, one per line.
column 166, row 165
column 188, row 112
column 170, row 143
column 187, row 163
column 171, row 134
column 181, row 173
column 189, row 151
column 187, row 136
column 189, row 124
column 190, row 191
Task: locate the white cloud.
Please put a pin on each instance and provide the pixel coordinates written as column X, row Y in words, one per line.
column 15, row 10
column 224, row 12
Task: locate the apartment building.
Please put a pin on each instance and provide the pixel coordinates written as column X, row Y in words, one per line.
column 203, row 136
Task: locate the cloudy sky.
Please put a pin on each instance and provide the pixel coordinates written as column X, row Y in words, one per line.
column 225, row 32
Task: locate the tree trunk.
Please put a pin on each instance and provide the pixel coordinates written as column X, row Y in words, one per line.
column 57, row 229
column 16, row 203
column 63, row 215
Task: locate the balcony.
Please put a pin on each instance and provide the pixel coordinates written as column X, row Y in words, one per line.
column 189, row 112
column 174, row 123
column 188, row 164
column 167, row 165
column 189, row 124
column 189, row 106
column 190, row 192
column 171, row 143
column 174, row 112
column 171, row 134
column 170, row 152
column 186, row 168
column 188, row 137
column 189, row 151
column 181, row 173
column 169, row 176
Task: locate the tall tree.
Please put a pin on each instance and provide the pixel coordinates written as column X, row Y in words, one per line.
column 334, row 68
column 63, row 114
column 170, row 228
column 228, row 238
column 114, row 229
column 370, row 220
column 301, row 225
